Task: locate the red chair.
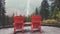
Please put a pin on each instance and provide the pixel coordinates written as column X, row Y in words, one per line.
column 18, row 23
column 36, row 22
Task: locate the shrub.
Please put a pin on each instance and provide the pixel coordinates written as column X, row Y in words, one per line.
column 50, row 21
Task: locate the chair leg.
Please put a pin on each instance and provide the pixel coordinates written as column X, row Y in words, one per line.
column 32, row 29
column 22, row 29
column 40, row 29
column 14, row 31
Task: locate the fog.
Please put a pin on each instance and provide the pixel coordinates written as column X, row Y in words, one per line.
column 21, row 7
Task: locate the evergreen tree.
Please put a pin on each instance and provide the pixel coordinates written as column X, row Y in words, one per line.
column 2, row 12
column 36, row 11
column 44, row 12
column 57, row 3
column 54, row 5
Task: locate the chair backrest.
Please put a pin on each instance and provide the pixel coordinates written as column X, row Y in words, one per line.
column 18, row 19
column 36, row 18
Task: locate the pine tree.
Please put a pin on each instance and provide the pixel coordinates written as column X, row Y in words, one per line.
column 2, row 12
column 54, row 5
column 44, row 12
column 36, row 11
column 57, row 3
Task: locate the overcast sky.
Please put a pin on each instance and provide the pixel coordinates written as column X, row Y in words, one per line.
column 23, row 7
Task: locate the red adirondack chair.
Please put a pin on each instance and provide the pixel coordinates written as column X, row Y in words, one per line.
column 36, row 22
column 18, row 23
